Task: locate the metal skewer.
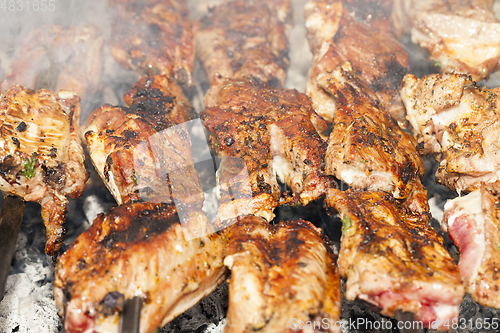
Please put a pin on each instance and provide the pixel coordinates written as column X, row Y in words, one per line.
column 10, row 226
column 131, row 315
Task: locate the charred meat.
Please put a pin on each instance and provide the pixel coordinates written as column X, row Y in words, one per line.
column 143, row 152
column 261, row 133
column 392, row 261
column 41, row 156
column 245, row 40
column 363, row 34
column 153, row 37
column 137, row 249
column 278, row 273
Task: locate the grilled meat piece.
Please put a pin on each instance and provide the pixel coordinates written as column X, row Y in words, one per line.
column 137, row 249
column 279, row 273
column 473, row 223
column 261, row 132
column 367, row 149
column 461, row 36
column 153, row 37
column 245, row 39
column 394, row 262
column 458, row 123
column 143, row 152
column 41, row 156
column 367, row 41
column 73, row 55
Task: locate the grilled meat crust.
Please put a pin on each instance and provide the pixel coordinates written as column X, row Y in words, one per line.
column 41, row 156
column 137, row 249
column 74, row 53
column 458, row 123
column 153, row 37
column 473, row 223
column 461, row 36
column 245, row 40
column 362, row 34
column 278, row 273
column 143, row 152
column 392, row 261
column 367, row 149
column 262, row 132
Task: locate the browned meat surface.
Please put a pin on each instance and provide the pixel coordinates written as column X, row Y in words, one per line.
column 459, row 124
column 245, row 39
column 473, row 223
column 137, row 249
column 41, row 156
column 73, row 55
column 261, row 133
column 462, row 36
column 143, row 152
column 394, row 262
column 362, row 34
column 367, row 149
column 279, row 273
column 153, row 37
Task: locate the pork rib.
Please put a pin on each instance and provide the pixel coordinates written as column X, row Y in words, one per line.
column 153, row 37
column 245, row 39
column 473, row 224
column 394, row 262
column 41, row 156
column 143, row 152
column 279, row 273
column 458, row 123
column 261, row 133
column 137, row 249
column 462, row 36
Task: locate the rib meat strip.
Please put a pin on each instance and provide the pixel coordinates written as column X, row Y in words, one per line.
column 137, row 249
column 392, row 261
column 362, row 33
column 279, row 273
column 73, row 55
column 457, row 122
column 143, row 152
column 462, row 36
column 245, row 39
column 153, row 37
column 472, row 222
column 41, row 156
column 260, row 133
column 367, row 149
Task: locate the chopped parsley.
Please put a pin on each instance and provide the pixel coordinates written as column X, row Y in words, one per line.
column 29, row 168
column 135, row 179
column 436, row 63
column 346, row 224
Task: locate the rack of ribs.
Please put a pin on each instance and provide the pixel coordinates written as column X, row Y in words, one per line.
column 41, row 155
column 460, row 36
column 262, row 132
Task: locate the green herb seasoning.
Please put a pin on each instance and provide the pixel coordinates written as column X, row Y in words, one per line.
column 29, row 168
column 346, row 224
